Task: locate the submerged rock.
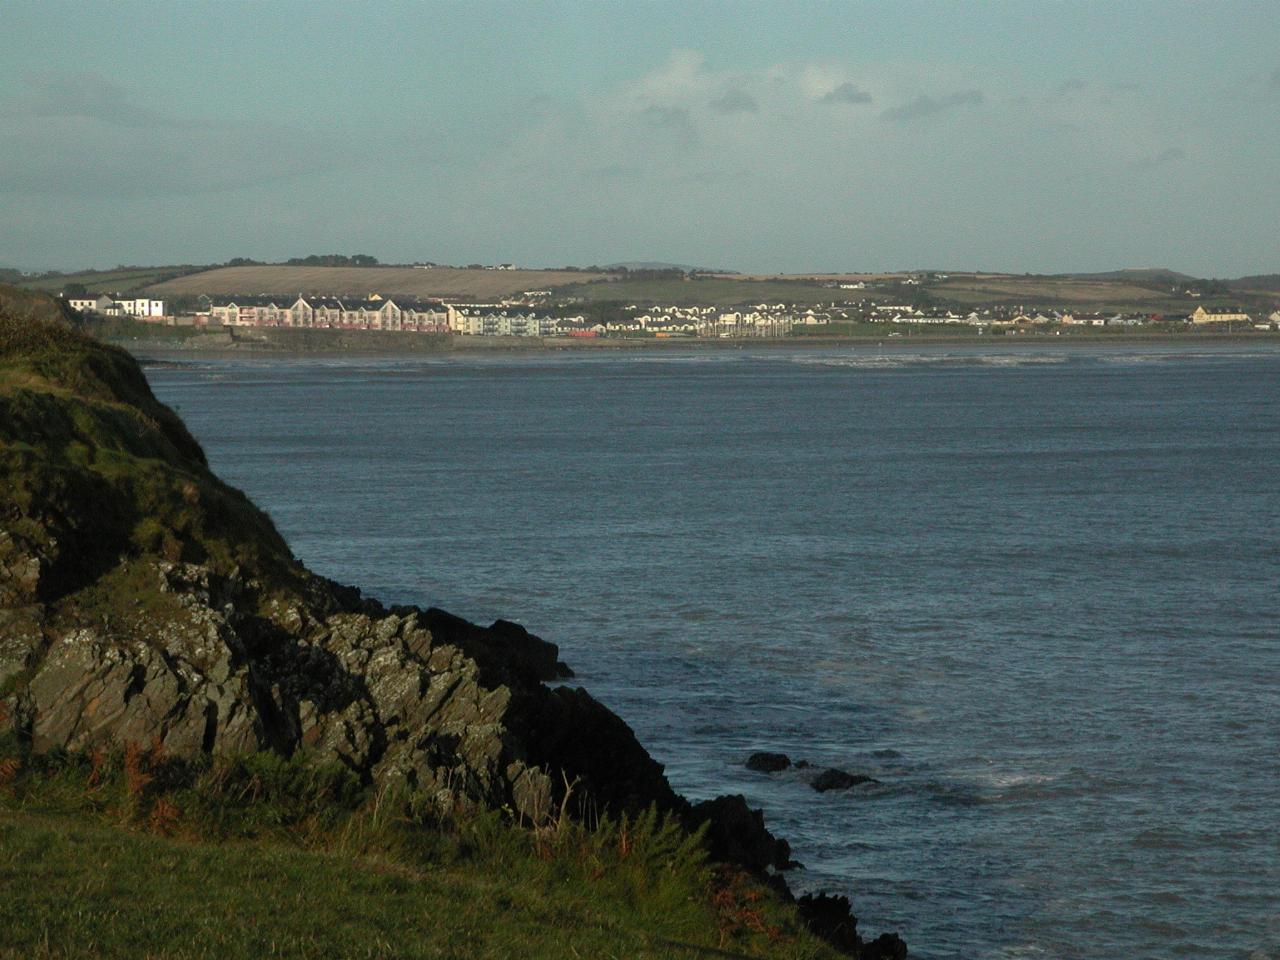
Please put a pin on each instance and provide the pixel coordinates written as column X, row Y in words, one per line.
column 834, row 779
column 764, row 762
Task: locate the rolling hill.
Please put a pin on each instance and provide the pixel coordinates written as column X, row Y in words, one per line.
column 290, row 281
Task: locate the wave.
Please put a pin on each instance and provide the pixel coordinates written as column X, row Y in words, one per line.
column 896, row 361
column 1183, row 356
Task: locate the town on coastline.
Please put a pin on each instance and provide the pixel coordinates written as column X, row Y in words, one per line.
column 535, row 314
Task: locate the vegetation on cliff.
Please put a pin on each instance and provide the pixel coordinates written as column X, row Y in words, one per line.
column 167, row 665
column 129, row 853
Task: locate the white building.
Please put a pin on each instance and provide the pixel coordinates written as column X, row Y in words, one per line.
column 97, row 303
column 142, row 307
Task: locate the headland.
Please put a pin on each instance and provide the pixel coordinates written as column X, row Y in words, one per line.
column 179, row 693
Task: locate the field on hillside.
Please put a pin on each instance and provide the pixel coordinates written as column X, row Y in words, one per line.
column 711, row 291
column 1050, row 291
column 284, row 281
column 124, row 280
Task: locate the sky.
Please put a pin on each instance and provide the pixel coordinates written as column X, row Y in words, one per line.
column 761, row 137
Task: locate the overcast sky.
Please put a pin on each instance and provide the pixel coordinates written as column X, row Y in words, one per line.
column 1039, row 137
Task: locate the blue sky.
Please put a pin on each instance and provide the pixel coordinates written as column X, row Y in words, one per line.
column 1036, row 137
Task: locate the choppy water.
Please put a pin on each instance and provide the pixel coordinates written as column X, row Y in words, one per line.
column 1033, row 593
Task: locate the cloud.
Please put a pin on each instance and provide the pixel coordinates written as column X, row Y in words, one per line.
column 81, row 135
column 1164, row 157
column 87, row 96
column 846, row 92
column 735, row 100
column 926, row 106
column 675, row 121
column 674, row 79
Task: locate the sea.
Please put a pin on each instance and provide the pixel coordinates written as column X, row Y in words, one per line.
column 1032, row 591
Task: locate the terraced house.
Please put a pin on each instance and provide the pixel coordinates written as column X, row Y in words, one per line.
column 372, row 313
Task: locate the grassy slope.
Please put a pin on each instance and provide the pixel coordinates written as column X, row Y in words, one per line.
column 712, row 291
column 288, row 282
column 116, row 472
column 116, row 329
column 135, row 855
column 126, row 280
column 156, row 896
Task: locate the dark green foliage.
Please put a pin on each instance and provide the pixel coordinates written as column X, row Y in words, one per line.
column 334, row 260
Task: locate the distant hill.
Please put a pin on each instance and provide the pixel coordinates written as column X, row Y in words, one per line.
column 1260, row 281
column 289, row 281
column 1135, row 275
column 119, row 280
column 660, row 265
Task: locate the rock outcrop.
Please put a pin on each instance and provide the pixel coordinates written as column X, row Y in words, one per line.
column 141, row 600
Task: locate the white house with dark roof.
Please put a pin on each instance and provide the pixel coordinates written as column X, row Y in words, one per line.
column 91, row 303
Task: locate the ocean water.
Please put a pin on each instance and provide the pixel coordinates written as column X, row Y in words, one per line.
column 1032, row 592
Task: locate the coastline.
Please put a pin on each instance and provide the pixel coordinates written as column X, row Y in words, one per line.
column 159, row 637
column 382, row 343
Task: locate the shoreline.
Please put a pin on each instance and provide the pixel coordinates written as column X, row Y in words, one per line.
column 382, row 343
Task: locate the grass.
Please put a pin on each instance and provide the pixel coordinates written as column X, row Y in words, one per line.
column 127, row 328
column 135, row 855
column 709, row 291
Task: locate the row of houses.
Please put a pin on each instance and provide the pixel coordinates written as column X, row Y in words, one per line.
column 375, row 312
column 370, row 313
column 143, row 307
column 898, row 314
column 379, row 313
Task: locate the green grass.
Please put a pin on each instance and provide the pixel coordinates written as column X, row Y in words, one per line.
column 132, row 855
column 126, row 328
column 711, row 291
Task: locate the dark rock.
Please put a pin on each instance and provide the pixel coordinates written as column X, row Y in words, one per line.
column 737, row 834
column 764, row 762
column 887, row 946
column 831, row 918
column 802, row 764
column 833, row 779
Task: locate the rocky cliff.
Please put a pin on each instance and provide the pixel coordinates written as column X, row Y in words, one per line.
column 143, row 600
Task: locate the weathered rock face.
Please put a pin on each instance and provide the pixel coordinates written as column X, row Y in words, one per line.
column 407, row 697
